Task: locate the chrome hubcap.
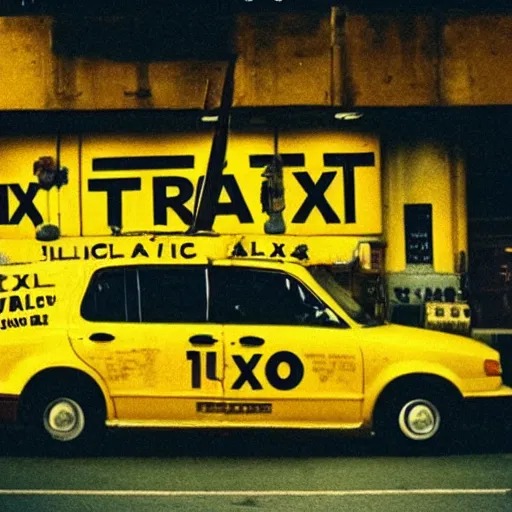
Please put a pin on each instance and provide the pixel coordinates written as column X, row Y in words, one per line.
column 419, row 420
column 64, row 419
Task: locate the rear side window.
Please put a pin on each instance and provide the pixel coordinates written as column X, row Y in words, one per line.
column 150, row 294
column 108, row 298
column 172, row 294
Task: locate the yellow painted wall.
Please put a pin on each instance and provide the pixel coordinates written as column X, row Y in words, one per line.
column 476, row 68
column 18, row 155
column 417, row 172
column 387, row 59
column 79, row 208
column 283, row 59
column 26, row 62
column 448, row 59
column 392, row 60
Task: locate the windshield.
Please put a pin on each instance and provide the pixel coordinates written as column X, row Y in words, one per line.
column 327, row 281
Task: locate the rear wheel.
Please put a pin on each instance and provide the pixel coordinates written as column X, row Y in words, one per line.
column 66, row 420
column 416, row 418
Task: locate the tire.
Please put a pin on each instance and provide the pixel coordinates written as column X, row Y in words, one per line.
column 416, row 419
column 66, row 421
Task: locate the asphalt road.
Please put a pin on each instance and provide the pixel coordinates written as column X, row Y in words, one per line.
column 257, row 471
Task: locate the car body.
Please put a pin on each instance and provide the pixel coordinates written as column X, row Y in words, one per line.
column 222, row 342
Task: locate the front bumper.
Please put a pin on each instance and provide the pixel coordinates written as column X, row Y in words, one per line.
column 488, row 412
column 9, row 408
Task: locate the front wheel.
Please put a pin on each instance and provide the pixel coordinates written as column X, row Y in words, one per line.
column 415, row 418
column 419, row 420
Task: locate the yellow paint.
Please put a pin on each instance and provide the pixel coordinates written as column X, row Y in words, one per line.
column 392, row 59
column 320, row 249
column 339, row 371
column 136, row 374
column 476, row 64
column 417, row 171
column 283, row 59
column 138, row 205
column 319, row 389
column 367, row 188
column 423, row 172
column 86, row 214
column 458, row 201
column 18, row 156
column 26, row 62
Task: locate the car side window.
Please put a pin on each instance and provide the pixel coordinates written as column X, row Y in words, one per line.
column 258, row 296
column 172, row 294
column 152, row 294
column 107, row 298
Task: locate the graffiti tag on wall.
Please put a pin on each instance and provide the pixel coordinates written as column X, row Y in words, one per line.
column 24, row 302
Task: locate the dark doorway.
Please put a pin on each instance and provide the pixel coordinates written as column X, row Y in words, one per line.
column 488, row 148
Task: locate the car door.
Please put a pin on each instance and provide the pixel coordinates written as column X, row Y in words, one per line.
column 143, row 329
column 289, row 360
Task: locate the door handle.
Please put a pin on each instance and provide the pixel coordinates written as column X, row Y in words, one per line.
column 202, row 339
column 102, row 337
column 251, row 341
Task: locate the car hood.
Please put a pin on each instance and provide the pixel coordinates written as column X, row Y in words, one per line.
column 425, row 340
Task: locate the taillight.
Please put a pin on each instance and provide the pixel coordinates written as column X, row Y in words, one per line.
column 492, row 368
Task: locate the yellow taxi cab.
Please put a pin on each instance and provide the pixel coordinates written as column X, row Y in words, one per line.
column 162, row 336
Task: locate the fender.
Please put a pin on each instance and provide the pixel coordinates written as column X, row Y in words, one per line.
column 59, row 354
column 400, row 370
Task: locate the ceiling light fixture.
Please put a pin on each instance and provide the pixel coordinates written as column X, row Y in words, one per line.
column 348, row 116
